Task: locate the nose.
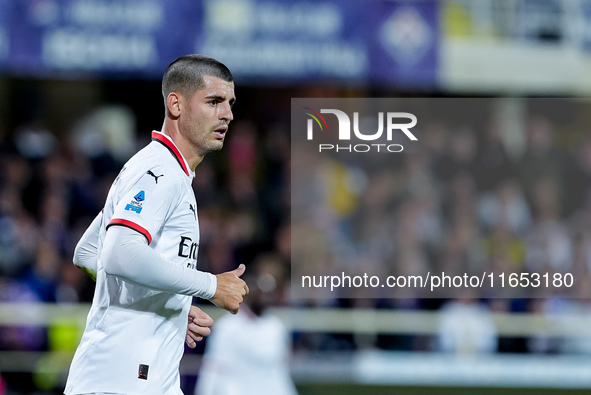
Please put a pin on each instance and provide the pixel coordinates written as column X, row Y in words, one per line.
column 226, row 112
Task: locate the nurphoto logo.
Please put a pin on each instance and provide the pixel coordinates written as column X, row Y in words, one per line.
column 392, row 121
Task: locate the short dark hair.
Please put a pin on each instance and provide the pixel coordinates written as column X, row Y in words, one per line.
column 185, row 74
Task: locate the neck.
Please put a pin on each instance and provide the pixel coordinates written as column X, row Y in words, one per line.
column 183, row 144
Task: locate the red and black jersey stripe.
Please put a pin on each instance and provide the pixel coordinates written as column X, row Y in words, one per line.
column 131, row 225
column 172, row 148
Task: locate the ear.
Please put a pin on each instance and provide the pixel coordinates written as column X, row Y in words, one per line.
column 173, row 104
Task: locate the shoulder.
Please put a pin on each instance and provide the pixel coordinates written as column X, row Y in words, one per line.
column 148, row 171
column 154, row 164
column 161, row 181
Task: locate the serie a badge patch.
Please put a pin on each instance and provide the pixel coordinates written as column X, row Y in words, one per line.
column 136, row 203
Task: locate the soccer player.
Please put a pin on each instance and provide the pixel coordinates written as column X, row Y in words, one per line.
column 143, row 247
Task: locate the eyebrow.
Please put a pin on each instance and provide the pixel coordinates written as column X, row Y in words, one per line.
column 221, row 98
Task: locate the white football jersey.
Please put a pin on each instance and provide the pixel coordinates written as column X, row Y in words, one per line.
column 134, row 336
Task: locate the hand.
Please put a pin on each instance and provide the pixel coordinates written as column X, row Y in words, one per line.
column 231, row 290
column 198, row 327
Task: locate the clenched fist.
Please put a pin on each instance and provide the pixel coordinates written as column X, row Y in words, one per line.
column 231, row 290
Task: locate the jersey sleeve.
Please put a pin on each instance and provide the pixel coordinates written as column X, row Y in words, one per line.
column 126, row 255
column 85, row 253
column 144, row 205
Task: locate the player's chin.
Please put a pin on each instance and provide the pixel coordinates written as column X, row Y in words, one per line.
column 219, row 144
column 215, row 145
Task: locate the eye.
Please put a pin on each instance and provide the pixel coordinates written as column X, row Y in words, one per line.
column 214, row 102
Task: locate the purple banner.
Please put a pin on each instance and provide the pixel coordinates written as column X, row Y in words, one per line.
column 67, row 37
column 261, row 41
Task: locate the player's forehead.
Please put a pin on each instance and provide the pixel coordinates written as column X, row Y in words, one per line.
column 217, row 87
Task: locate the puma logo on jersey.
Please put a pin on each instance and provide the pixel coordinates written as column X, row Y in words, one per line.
column 149, row 172
column 193, row 210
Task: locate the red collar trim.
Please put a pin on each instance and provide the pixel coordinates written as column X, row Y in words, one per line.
column 162, row 139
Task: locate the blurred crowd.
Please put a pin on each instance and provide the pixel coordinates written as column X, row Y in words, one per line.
column 466, row 201
column 492, row 192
